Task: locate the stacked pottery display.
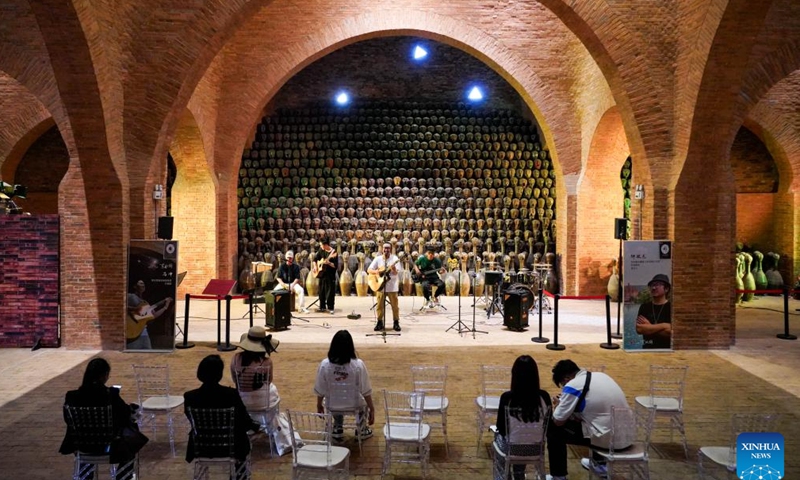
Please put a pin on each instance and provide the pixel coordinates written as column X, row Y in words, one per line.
column 739, row 282
column 465, row 283
column 613, row 281
column 479, row 282
column 758, row 271
column 401, row 169
column 362, row 287
column 774, row 278
column 406, row 282
column 749, row 279
column 312, row 282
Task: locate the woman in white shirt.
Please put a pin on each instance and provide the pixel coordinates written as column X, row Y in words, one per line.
column 343, row 365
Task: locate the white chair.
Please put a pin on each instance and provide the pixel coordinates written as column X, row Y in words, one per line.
column 494, row 382
column 312, row 452
column 523, row 444
column 407, row 436
column 254, row 388
column 344, row 398
column 724, row 458
column 92, row 431
column 431, row 380
column 152, row 387
column 628, row 449
column 213, row 443
column 667, row 385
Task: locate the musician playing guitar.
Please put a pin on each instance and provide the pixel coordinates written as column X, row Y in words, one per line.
column 140, row 313
column 426, row 270
column 385, row 270
column 326, row 262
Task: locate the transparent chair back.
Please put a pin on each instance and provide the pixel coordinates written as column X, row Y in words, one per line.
column 722, row 459
column 344, row 398
column 495, row 381
column 253, row 385
column 667, row 386
column 153, row 391
column 523, row 443
column 312, row 451
column 212, row 431
column 407, row 436
column 92, row 431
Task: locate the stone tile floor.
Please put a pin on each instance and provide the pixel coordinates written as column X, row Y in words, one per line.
column 758, row 374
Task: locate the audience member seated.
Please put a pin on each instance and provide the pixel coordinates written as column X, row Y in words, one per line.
column 581, row 416
column 213, row 395
column 426, row 270
column 525, row 394
column 289, row 279
column 93, row 392
column 343, row 364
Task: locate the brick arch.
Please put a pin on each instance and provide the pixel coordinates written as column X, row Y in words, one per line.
column 600, row 202
column 24, row 118
column 786, row 176
column 744, row 62
column 194, row 191
column 561, row 127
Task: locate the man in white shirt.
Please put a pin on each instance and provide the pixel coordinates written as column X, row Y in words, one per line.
column 581, row 415
column 388, row 267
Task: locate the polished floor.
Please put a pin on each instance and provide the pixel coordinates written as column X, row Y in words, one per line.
column 758, row 374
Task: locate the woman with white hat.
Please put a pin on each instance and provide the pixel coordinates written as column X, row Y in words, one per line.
column 252, row 372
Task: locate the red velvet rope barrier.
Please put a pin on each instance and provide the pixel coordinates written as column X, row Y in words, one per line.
column 762, row 291
column 583, row 297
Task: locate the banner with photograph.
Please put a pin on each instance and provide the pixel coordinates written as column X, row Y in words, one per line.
column 647, row 275
column 152, row 286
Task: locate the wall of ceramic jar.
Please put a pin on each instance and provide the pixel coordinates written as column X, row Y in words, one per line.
column 475, row 183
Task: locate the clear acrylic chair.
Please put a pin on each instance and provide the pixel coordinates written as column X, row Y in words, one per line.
column 628, row 454
column 407, row 436
column 595, row 368
column 212, row 432
column 312, row 452
column 711, row 460
column 254, row 388
column 344, row 399
column 494, row 382
column 667, row 385
column 523, row 444
column 152, row 387
column 432, row 380
column 92, row 431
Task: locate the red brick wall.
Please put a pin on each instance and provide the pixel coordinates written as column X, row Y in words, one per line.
column 753, row 167
column 754, row 220
column 41, row 170
column 29, row 277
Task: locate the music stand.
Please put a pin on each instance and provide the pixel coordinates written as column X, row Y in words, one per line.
column 459, row 323
column 494, row 278
column 215, row 290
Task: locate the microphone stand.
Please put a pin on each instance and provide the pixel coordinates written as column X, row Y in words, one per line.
column 462, row 327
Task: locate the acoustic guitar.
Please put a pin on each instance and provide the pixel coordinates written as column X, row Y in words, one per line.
column 137, row 320
column 319, row 267
column 377, row 281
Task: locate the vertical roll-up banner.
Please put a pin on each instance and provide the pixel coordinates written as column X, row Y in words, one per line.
column 150, row 300
column 647, row 295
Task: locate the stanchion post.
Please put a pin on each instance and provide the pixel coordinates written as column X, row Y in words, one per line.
column 608, row 345
column 219, row 322
column 555, row 345
column 540, row 338
column 251, row 309
column 185, row 343
column 786, row 335
column 227, row 347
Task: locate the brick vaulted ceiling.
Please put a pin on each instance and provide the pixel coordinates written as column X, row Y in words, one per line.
column 116, row 78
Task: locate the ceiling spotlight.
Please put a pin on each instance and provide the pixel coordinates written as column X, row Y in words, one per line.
column 419, row 53
column 475, row 94
column 342, row 98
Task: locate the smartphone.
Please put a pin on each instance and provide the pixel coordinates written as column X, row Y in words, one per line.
column 118, row 387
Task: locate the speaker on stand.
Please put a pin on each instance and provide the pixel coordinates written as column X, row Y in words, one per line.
column 620, row 233
column 165, row 225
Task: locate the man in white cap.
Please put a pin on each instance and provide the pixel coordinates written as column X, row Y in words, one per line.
column 289, row 279
column 387, row 268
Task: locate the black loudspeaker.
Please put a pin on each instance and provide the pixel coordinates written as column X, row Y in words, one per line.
column 165, row 227
column 621, row 228
column 278, row 311
column 516, row 304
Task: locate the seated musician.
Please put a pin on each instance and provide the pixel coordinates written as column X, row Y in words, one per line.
column 427, row 269
column 289, row 279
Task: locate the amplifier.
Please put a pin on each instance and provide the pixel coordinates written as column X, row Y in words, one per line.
column 516, row 304
column 277, row 308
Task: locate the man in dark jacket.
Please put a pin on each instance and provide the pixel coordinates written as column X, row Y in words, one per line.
column 213, row 395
